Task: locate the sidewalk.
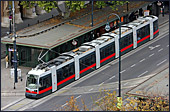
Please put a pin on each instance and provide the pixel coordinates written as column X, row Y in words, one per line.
column 8, row 93
column 156, row 85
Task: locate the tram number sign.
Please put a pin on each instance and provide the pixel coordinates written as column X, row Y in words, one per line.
column 74, row 42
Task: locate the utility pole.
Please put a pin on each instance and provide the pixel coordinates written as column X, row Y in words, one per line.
column 10, row 19
column 92, row 15
column 14, row 44
column 163, row 8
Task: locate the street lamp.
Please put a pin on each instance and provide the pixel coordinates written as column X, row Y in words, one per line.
column 14, row 41
column 107, row 28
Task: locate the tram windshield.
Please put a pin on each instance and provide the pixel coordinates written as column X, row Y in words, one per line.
column 32, row 81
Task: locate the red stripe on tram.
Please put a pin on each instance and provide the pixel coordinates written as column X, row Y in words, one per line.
column 89, row 67
column 143, row 39
column 31, row 92
column 107, row 58
column 125, row 48
column 156, row 31
column 147, row 36
column 61, row 82
column 45, row 90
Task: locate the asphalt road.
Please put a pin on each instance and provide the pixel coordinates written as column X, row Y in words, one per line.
column 140, row 62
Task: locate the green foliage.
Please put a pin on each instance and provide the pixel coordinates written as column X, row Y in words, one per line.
column 75, row 5
column 27, row 4
column 117, row 3
column 107, row 101
column 72, row 5
column 47, row 5
column 100, row 4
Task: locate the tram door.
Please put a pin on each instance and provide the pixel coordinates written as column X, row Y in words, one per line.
column 54, row 78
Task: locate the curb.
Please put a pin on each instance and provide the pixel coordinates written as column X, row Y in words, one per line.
column 7, row 94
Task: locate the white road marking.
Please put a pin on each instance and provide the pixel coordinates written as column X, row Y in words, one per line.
column 64, row 105
column 122, row 71
column 133, row 65
column 126, row 83
column 160, row 49
column 151, row 48
column 151, row 55
column 157, row 45
column 143, row 73
column 111, row 77
column 161, row 62
column 78, row 97
column 91, row 89
column 167, row 46
column 101, row 84
column 142, row 60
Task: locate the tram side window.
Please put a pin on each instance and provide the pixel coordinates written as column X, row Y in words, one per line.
column 65, row 72
column 107, row 50
column 143, row 32
column 45, row 82
column 126, row 40
column 155, row 25
column 87, row 61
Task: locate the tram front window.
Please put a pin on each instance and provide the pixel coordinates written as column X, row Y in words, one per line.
column 32, row 81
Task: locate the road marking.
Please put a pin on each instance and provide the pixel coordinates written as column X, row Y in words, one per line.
column 151, row 55
column 167, row 46
column 151, row 48
column 161, row 62
column 122, row 71
column 78, row 97
column 160, row 50
column 133, row 65
column 157, row 45
column 143, row 73
column 64, row 105
column 126, row 83
column 91, row 89
column 111, row 77
column 142, row 60
column 101, row 84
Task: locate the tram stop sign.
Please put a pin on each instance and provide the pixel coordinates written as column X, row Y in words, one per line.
column 74, row 42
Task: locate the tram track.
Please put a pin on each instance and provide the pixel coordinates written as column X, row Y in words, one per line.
column 18, row 104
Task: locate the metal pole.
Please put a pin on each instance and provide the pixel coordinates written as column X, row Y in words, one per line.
column 92, row 15
column 119, row 98
column 127, row 6
column 119, row 59
column 163, row 8
column 10, row 19
column 14, row 43
column 119, row 52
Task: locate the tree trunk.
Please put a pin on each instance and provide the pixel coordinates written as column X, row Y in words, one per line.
column 5, row 14
column 63, row 9
column 18, row 18
column 29, row 13
column 39, row 10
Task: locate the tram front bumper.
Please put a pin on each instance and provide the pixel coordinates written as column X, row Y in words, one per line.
column 31, row 95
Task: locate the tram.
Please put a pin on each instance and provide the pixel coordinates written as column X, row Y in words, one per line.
column 48, row 77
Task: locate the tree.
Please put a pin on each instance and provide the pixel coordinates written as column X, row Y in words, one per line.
column 71, row 6
column 108, row 102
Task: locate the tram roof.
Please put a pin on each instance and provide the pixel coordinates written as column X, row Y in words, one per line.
column 64, row 32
